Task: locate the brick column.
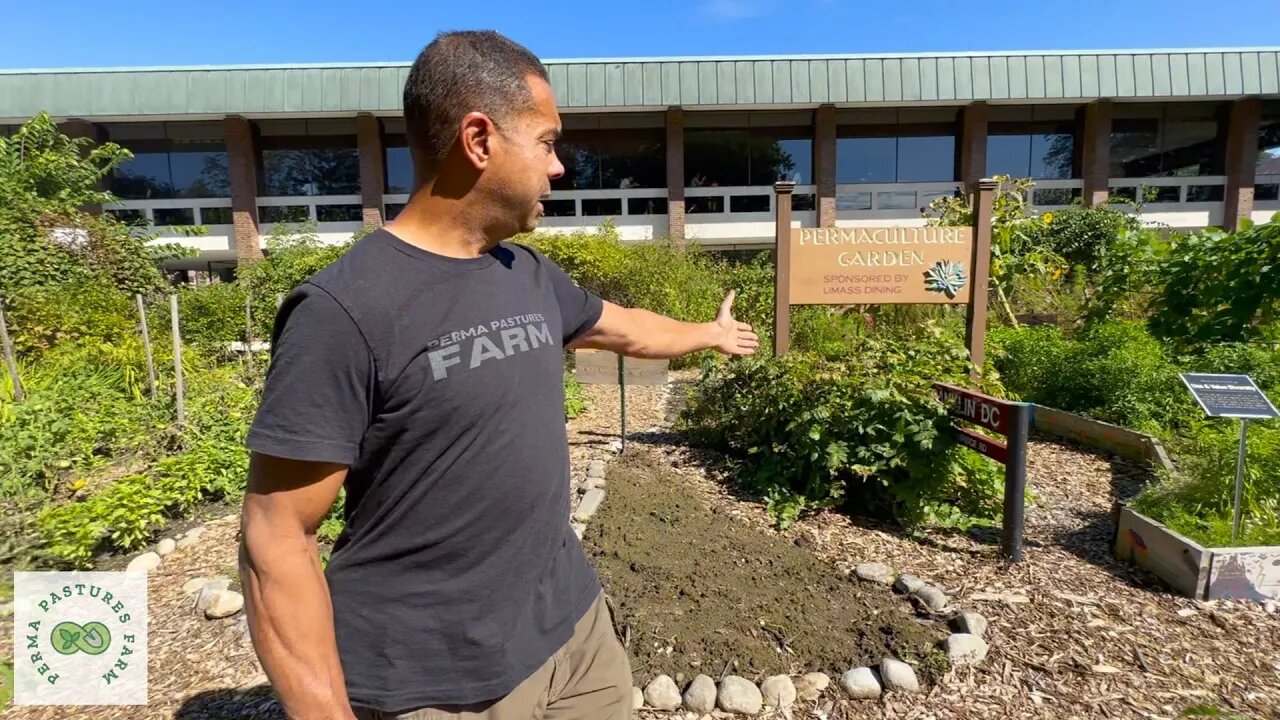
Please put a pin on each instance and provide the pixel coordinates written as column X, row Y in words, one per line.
column 973, row 145
column 675, row 175
column 76, row 128
column 824, row 163
column 242, row 171
column 1095, row 152
column 369, row 140
column 1241, row 161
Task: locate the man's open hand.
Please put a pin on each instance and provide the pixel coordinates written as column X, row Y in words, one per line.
column 738, row 337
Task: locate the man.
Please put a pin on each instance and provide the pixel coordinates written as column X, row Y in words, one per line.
column 423, row 370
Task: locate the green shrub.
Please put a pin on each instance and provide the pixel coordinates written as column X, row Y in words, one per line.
column 1198, row 502
column 1114, row 371
column 1082, row 235
column 212, row 315
column 82, row 410
column 207, row 461
column 575, row 399
column 863, row 430
column 1218, row 287
column 41, row 317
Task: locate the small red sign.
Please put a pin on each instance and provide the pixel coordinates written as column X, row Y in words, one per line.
column 989, row 412
column 982, row 444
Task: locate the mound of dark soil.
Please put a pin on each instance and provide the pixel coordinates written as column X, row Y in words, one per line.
column 718, row 591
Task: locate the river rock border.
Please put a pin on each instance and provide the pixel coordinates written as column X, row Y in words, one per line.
column 965, row 645
column 212, row 597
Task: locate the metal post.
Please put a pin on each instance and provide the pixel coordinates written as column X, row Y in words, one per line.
column 782, row 267
column 1015, row 482
column 1235, row 520
column 180, row 400
column 9, row 359
column 622, row 394
column 146, row 344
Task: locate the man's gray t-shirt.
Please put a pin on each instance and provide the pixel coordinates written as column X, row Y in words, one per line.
column 439, row 381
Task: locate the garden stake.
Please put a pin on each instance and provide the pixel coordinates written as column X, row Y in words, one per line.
column 622, row 395
column 9, row 359
column 146, row 344
column 177, row 360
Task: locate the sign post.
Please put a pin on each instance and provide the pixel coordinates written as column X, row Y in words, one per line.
column 1232, row 396
column 782, row 267
column 1011, row 419
column 601, row 367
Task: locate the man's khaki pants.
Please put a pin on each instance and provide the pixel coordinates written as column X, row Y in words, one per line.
column 587, row 679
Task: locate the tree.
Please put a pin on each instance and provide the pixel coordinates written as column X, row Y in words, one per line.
column 47, row 237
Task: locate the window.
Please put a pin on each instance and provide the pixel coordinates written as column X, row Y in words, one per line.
column 215, row 216
column 339, row 213
column 895, row 151
column 308, row 157
column 748, row 157
column 599, row 160
column 174, row 216
column 283, row 213
column 1040, row 151
column 647, row 206
column 601, row 207
column 1166, row 143
column 170, row 160
column 398, row 165
column 1269, row 145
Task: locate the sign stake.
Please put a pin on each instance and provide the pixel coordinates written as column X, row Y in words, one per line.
column 622, row 397
column 146, row 344
column 1235, row 517
column 180, row 399
column 782, row 268
column 9, row 359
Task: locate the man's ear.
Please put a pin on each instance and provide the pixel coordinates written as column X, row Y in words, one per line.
column 476, row 135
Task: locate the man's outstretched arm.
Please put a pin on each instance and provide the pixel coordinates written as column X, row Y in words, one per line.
column 286, row 597
column 636, row 332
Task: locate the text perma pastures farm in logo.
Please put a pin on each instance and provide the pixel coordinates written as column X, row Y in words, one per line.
column 80, row 638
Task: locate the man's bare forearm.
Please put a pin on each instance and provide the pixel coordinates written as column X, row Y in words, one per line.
column 658, row 336
column 291, row 621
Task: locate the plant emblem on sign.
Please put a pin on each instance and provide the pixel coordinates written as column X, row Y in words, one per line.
column 945, row 277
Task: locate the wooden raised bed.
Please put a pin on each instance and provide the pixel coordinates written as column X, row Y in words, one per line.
column 1187, row 566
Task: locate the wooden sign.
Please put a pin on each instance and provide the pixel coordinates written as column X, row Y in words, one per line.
column 1011, row 419
column 881, row 265
column 884, row 265
column 600, row 367
column 989, row 412
column 982, row 444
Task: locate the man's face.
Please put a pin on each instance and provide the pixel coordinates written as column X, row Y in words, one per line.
column 524, row 161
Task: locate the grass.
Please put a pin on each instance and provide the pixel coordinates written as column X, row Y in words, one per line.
column 6, row 683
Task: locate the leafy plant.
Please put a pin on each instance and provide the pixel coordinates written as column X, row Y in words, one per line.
column 1114, row 371
column 1217, row 286
column 862, row 431
column 575, row 399
column 48, row 180
column 1018, row 248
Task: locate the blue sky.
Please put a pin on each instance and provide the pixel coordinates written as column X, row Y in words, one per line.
column 78, row 33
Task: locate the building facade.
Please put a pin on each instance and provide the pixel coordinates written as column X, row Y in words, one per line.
column 689, row 148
